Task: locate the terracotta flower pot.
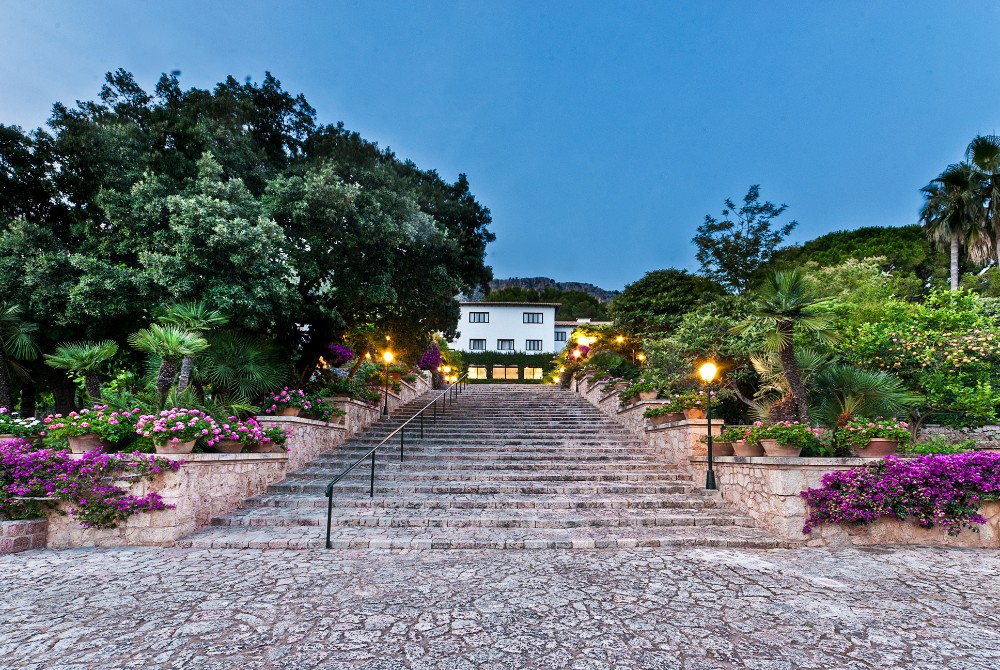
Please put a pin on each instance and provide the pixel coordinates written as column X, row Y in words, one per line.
column 263, row 448
column 621, row 386
column 7, row 436
column 741, row 448
column 648, row 395
column 175, row 447
column 81, row 444
column 228, row 446
column 772, row 448
column 694, row 413
column 661, row 419
column 721, row 448
column 877, row 448
column 289, row 411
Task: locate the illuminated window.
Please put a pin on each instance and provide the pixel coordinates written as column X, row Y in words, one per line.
column 532, row 317
column 477, row 372
column 533, row 345
column 560, row 336
column 479, row 317
column 532, row 373
column 505, row 345
column 477, row 345
column 505, row 372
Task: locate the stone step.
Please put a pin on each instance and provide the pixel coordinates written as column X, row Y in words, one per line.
column 464, row 518
column 304, row 537
column 689, row 501
column 360, row 485
column 424, row 463
column 458, row 476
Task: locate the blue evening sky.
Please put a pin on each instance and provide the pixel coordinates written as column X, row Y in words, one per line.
column 598, row 133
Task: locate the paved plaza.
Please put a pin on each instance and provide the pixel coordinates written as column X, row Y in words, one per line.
column 663, row 608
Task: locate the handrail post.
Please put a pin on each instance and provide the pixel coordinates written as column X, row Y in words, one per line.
column 371, row 491
column 421, row 424
column 329, row 513
column 401, row 433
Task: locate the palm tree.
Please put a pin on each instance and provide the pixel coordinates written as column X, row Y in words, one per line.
column 983, row 153
column 846, row 391
column 170, row 344
column 84, row 359
column 194, row 317
column 17, row 341
column 242, row 367
column 952, row 213
column 784, row 303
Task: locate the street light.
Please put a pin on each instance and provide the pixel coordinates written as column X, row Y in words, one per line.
column 619, row 339
column 707, row 372
column 387, row 357
column 641, row 357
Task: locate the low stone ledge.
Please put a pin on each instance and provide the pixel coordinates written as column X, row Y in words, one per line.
column 768, row 490
column 17, row 536
column 309, row 439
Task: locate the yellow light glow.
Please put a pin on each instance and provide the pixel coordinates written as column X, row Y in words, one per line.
column 576, row 353
column 707, row 371
column 447, row 369
column 387, row 357
column 368, row 355
column 619, row 339
column 641, row 357
column 562, row 369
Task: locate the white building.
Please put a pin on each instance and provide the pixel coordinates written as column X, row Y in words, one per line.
column 564, row 330
column 508, row 327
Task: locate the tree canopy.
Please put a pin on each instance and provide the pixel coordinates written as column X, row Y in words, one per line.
column 658, row 301
column 573, row 305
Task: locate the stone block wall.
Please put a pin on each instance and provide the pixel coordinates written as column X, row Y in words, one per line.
column 767, row 490
column 310, row 438
column 207, row 485
column 18, row 536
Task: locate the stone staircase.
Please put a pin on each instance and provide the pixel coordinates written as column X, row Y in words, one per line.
column 505, row 467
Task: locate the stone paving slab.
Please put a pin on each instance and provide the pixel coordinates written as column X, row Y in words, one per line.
column 684, row 609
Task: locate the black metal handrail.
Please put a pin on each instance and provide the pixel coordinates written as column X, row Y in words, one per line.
column 450, row 393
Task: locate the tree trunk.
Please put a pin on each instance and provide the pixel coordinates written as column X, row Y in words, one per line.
column 187, row 364
column 954, row 264
column 791, row 370
column 93, row 387
column 5, row 399
column 28, row 389
column 168, row 369
column 62, row 395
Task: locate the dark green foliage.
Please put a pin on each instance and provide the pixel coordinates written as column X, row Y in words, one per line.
column 658, row 301
column 573, row 305
column 736, row 249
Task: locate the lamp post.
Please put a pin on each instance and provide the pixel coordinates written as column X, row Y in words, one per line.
column 387, row 357
column 707, row 373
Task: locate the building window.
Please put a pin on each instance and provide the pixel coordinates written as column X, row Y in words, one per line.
column 532, row 373
column 532, row 317
column 533, row 345
column 560, row 336
column 477, row 372
column 505, row 372
column 479, row 317
column 477, row 345
column 505, row 345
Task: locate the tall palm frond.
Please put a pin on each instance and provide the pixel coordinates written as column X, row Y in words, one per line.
column 984, row 153
column 242, row 366
column 170, row 343
column 846, row 391
column 84, row 359
column 17, row 341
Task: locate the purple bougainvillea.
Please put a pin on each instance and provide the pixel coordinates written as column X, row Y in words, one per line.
column 34, row 480
column 338, row 354
column 939, row 490
column 430, row 359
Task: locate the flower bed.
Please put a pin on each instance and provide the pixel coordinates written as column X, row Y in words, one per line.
column 12, row 424
column 939, row 490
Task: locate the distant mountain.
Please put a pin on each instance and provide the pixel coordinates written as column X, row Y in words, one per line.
column 541, row 283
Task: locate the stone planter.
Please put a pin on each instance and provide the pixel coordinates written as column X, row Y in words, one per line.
column 81, row 444
column 289, row 411
column 722, row 448
column 228, row 446
column 772, row 448
column 263, row 448
column 742, row 448
column 173, row 448
column 877, row 448
column 7, row 436
column 648, row 395
column 694, row 413
column 662, row 419
column 337, row 399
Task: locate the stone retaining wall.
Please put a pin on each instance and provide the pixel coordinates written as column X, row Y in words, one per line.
column 310, row 438
column 207, row 485
column 767, row 490
column 18, row 536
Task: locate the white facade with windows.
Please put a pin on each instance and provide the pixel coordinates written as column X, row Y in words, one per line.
column 528, row 327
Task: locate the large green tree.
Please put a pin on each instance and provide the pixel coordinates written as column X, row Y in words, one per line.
column 952, row 215
column 658, row 301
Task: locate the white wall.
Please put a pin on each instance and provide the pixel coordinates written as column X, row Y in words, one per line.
column 507, row 323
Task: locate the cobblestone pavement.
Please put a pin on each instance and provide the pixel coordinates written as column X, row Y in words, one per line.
column 689, row 608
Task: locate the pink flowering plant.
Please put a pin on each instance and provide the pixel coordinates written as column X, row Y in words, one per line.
column 695, row 400
column 786, row 433
column 34, row 482
column 325, row 411
column 276, row 435
column 114, row 425
column 13, row 424
column 285, row 399
column 176, row 425
column 247, row 431
column 858, row 431
column 945, row 490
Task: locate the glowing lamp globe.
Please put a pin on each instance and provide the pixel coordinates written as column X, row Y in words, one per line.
column 387, row 357
column 708, row 371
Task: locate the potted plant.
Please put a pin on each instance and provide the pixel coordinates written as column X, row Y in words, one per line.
column 13, row 426
column 340, row 389
column 693, row 404
column 664, row 414
column 273, row 439
column 874, row 438
column 287, row 402
column 232, row 435
column 724, row 443
column 89, row 429
column 785, row 438
column 175, row 431
column 324, row 409
column 642, row 389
